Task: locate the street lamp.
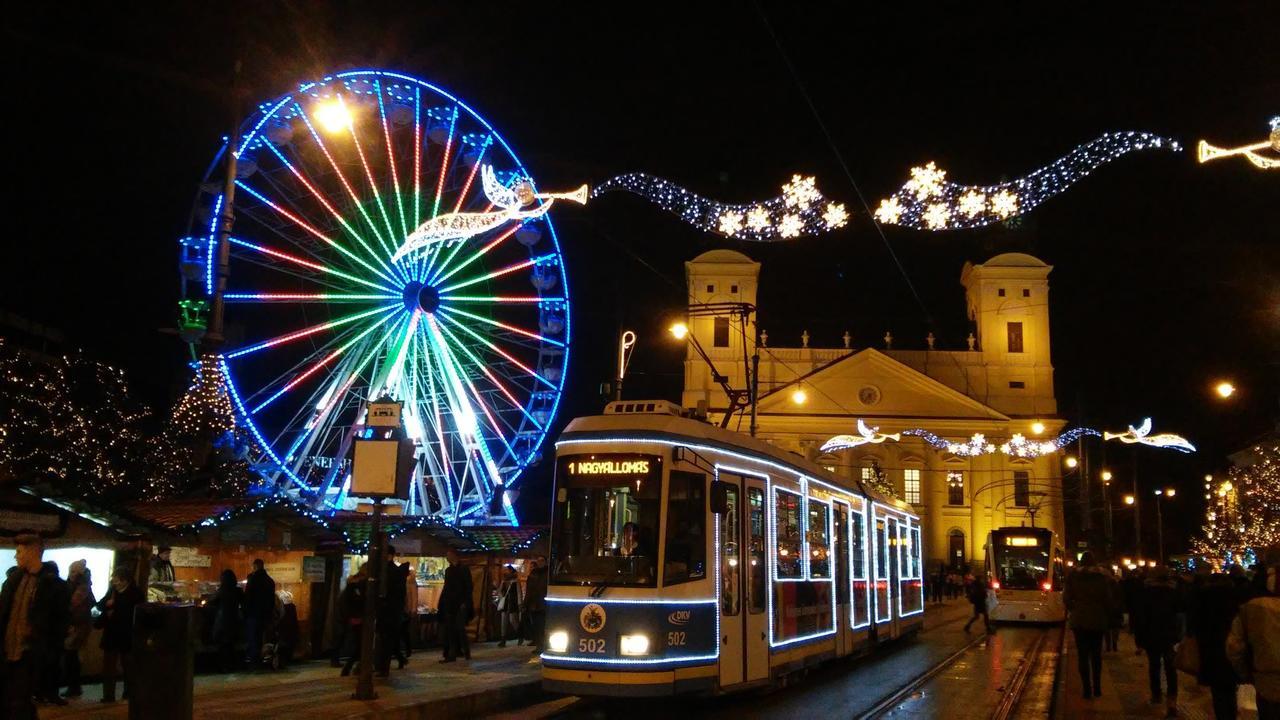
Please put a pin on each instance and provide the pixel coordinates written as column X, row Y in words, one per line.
column 1224, row 389
column 1037, row 427
column 1128, row 499
column 799, row 396
column 1071, row 462
column 626, row 344
column 679, row 330
column 1106, row 477
column 333, row 115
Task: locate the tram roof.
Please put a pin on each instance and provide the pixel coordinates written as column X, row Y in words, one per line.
column 675, row 428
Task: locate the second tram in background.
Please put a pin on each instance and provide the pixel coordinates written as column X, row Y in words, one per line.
column 1026, row 569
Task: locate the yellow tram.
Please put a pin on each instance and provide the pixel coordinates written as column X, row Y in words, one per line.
column 689, row 558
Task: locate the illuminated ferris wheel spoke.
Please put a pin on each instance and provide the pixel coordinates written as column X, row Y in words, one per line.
column 332, row 211
column 500, row 299
column 391, row 158
column 484, row 341
column 373, row 184
column 297, row 366
column 497, row 273
column 417, row 154
column 484, row 369
column 315, row 367
column 441, row 175
column 342, row 178
column 310, row 331
column 304, row 297
column 493, row 474
column 280, row 255
column 441, row 276
column 314, row 231
column 504, row 326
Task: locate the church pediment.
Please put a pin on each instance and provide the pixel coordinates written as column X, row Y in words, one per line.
column 871, row 384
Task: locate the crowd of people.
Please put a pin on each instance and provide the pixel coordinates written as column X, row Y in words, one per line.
column 521, row 615
column 1222, row 627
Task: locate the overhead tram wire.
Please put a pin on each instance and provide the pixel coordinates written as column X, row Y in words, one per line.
column 835, row 150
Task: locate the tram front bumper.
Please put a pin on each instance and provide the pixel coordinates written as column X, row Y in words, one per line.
column 625, row 683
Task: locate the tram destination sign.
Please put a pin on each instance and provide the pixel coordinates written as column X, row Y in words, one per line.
column 604, row 465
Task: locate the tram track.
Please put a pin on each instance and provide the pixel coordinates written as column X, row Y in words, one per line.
column 895, row 699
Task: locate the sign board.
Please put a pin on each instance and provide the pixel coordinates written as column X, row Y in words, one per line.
column 17, row 521
column 382, row 468
column 246, row 531
column 189, row 557
column 313, row 569
column 284, row 572
column 383, row 414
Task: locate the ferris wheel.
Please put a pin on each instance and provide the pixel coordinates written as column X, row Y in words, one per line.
column 379, row 249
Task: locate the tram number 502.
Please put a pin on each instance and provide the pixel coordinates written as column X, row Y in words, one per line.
column 676, row 639
column 590, row 645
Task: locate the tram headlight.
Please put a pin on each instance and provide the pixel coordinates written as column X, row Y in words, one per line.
column 634, row 645
column 558, row 641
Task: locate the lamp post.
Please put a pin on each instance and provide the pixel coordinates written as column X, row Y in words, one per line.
column 1132, row 501
column 739, row 399
column 625, row 346
column 1161, row 493
column 1106, row 494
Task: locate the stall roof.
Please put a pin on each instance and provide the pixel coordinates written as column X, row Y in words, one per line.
column 179, row 515
column 120, row 521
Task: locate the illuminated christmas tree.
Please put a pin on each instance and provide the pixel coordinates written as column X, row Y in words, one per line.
column 1242, row 514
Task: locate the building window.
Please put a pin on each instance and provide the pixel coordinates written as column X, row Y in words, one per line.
column 721, row 337
column 711, row 288
column 1015, row 337
column 1026, row 292
column 868, row 473
column 955, row 487
column 1017, row 385
column 733, row 289
column 911, row 485
column 1021, row 488
column 1000, row 292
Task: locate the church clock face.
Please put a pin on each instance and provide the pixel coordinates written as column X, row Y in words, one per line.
column 869, row 395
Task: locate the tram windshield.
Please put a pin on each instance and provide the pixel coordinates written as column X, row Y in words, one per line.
column 1022, row 560
column 605, row 523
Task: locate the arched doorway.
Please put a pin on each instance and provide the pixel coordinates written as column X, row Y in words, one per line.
column 956, row 549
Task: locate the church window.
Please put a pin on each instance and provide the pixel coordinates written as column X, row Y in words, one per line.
column 1021, row 488
column 1017, row 385
column 911, row 485
column 1015, row 337
column 1000, row 292
column 733, row 289
column 711, row 288
column 721, row 338
column 955, row 487
column 1026, row 292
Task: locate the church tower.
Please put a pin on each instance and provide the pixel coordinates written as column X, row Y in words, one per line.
column 717, row 281
column 1008, row 302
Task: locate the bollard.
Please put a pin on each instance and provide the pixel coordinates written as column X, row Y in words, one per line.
column 164, row 637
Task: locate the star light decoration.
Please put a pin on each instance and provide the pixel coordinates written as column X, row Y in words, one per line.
column 800, row 210
column 928, row 201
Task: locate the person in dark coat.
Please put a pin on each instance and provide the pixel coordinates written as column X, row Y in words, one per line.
column 508, row 602
column 976, row 591
column 390, row 614
column 228, row 612
column 1215, row 600
column 50, row 673
column 351, row 616
column 1157, row 630
column 1090, row 601
column 455, row 609
column 259, row 607
column 1111, row 638
column 31, row 611
column 80, row 583
column 116, row 621
column 535, row 603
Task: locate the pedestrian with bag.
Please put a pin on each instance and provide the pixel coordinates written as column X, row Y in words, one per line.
column 508, row 605
column 1253, row 644
column 1091, row 602
column 80, row 624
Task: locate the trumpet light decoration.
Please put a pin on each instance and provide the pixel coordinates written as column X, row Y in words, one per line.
column 1142, row 435
column 928, row 201
column 1254, row 153
column 865, row 436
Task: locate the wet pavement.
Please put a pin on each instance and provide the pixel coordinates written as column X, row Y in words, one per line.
column 493, row 680
column 1125, row 692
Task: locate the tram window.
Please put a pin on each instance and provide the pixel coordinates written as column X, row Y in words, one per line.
column 882, row 571
column 756, row 569
column 787, row 534
column 730, row 565
column 840, row 526
column 819, row 539
column 1022, row 561
column 606, row 519
column 686, row 555
column 857, row 526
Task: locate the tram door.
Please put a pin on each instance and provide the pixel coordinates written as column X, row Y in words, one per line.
column 732, row 652
column 844, row 633
column 895, row 574
column 755, row 618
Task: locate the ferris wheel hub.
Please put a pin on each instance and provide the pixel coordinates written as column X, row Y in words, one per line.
column 421, row 296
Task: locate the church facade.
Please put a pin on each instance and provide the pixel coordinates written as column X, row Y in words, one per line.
column 1000, row 386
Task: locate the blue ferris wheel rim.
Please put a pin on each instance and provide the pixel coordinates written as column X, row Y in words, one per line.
column 250, row 131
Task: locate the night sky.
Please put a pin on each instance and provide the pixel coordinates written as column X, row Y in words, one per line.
column 1167, row 273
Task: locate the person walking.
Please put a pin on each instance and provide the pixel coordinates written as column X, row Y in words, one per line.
column 259, row 609
column 1158, row 629
column 1115, row 618
column 1253, row 644
column 80, row 624
column 390, row 614
column 938, row 583
column 1090, row 601
column 508, row 604
column 30, row 612
column 409, row 623
column 455, row 609
column 116, row 622
column 535, row 603
column 351, row 615
column 228, row 612
column 50, row 672
column 976, row 591
column 1215, row 601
